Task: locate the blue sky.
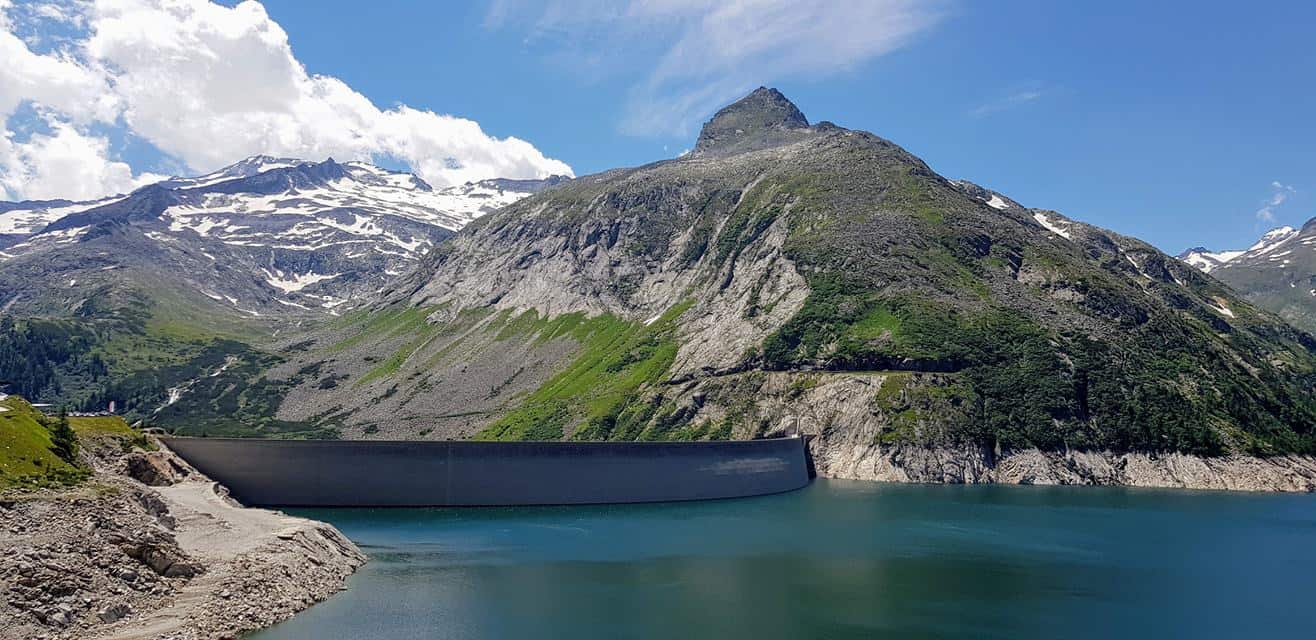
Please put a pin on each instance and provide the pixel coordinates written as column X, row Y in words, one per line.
column 1181, row 123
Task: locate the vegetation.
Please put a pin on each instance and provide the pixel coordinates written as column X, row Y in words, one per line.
column 30, row 458
column 988, row 328
column 63, row 441
column 602, row 386
column 992, row 329
column 38, row 356
column 1166, row 376
column 102, row 425
column 133, row 351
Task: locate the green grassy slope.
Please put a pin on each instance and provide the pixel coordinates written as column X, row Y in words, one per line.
column 102, row 425
column 27, row 460
column 618, row 361
column 132, row 348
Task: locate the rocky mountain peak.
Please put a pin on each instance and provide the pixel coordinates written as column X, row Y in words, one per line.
column 760, row 119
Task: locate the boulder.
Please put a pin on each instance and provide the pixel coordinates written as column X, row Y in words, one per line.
column 154, row 468
column 114, row 612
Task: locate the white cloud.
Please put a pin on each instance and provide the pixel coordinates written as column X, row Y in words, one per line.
column 55, row 80
column 697, row 55
column 208, row 85
column 64, row 163
column 1279, row 194
column 1016, row 99
column 67, row 12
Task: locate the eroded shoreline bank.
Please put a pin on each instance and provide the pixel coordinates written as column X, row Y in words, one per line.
column 118, row 559
column 846, row 459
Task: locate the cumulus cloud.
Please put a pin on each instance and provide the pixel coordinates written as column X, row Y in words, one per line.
column 1279, row 194
column 65, row 163
column 695, row 55
column 208, row 85
column 55, row 80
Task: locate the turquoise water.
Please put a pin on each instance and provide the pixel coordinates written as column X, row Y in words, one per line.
column 836, row 560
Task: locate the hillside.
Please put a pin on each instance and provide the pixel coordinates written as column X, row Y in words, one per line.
column 1277, row 272
column 164, row 300
column 794, row 277
column 27, row 456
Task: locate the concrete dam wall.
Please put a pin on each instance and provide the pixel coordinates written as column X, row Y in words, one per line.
column 373, row 473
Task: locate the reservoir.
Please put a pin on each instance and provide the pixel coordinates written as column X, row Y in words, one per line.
column 838, row 559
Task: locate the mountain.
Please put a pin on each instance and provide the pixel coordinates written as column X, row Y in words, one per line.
column 132, row 297
column 787, row 276
column 1277, row 273
column 263, row 236
column 1208, row 260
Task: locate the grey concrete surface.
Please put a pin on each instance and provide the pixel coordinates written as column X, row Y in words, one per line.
column 373, row 473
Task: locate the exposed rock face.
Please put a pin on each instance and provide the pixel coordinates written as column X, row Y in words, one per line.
column 835, row 411
column 301, row 567
column 761, row 119
column 971, row 465
column 154, row 468
column 116, row 559
column 75, row 561
column 200, row 272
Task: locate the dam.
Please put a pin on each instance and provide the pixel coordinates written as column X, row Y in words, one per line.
column 379, row 473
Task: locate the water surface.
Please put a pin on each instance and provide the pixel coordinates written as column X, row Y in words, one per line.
column 835, row 560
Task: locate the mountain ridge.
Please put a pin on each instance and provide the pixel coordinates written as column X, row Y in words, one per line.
column 304, row 225
column 714, row 294
column 164, row 300
column 1277, row 272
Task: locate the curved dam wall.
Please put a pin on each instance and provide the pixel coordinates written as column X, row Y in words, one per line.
column 372, row 473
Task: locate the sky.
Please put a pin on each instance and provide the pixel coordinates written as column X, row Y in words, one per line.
column 1181, row 123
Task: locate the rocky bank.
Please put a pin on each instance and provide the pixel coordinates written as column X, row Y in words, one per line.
column 117, row 558
column 847, row 420
column 897, row 463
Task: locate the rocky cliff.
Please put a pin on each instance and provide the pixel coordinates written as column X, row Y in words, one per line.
column 149, row 548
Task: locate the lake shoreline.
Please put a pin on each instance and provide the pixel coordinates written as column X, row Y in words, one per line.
column 846, row 459
column 181, row 560
column 150, row 548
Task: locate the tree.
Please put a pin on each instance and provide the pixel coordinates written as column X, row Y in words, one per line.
column 63, row 440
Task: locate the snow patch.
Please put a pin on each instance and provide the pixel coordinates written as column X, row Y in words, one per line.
column 290, row 282
column 30, row 221
column 1051, row 226
column 1271, row 240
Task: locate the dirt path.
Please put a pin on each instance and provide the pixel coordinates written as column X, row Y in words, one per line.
column 217, row 532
